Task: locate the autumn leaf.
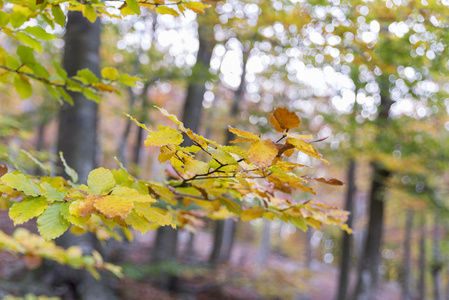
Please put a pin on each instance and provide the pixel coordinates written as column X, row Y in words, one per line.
column 113, row 206
column 3, row 169
column 197, row 7
column 282, row 119
column 305, row 147
column 331, row 181
column 252, row 213
column 244, row 134
column 262, row 153
column 165, row 136
column 85, row 206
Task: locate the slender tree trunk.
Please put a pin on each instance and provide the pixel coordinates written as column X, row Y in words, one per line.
column 264, row 248
column 422, row 261
column 225, row 229
column 437, row 263
column 139, row 133
column 345, row 264
column 166, row 250
column 309, row 250
column 77, row 138
column 368, row 272
column 407, row 293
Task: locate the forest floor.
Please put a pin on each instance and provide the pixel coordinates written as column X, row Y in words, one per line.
column 280, row 277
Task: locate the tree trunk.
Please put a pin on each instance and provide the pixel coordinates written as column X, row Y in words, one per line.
column 77, row 139
column 225, row 229
column 345, row 263
column 437, row 263
column 368, row 272
column 309, row 249
column 407, row 293
column 191, row 117
column 265, row 244
column 422, row 261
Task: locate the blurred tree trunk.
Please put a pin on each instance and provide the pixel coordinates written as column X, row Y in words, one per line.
column 407, row 293
column 264, row 248
column 345, row 263
column 166, row 241
column 368, row 275
column 309, row 248
column 142, row 118
column 422, row 260
column 437, row 261
column 77, row 139
column 225, row 229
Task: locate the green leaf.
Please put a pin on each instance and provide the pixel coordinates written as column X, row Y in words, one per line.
column 4, row 19
column 69, row 171
column 128, row 80
column 36, row 161
column 299, row 222
column 109, row 73
column 60, row 71
column 17, row 18
column 29, row 208
column 12, row 62
column 58, row 14
column 26, row 54
column 51, row 223
column 65, row 96
column 86, row 76
column 91, row 95
column 51, row 193
column 21, row 182
column 137, row 222
column 22, row 86
column 25, row 38
column 134, row 6
column 39, row 33
column 100, row 181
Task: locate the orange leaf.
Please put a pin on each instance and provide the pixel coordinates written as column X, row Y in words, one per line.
column 32, row 261
column 282, row 119
column 86, row 206
column 262, row 153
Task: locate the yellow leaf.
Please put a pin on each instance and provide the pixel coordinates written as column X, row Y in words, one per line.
column 165, row 136
column 138, row 222
column 305, row 147
column 132, row 195
column 244, row 134
column 252, row 213
column 164, row 10
column 282, row 119
column 100, row 181
column 195, row 167
column 262, row 153
column 166, row 154
column 154, row 215
column 197, row 7
column 113, row 206
column 109, row 73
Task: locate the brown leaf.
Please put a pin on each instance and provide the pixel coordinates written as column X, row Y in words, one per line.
column 3, row 169
column 32, row 261
column 282, row 119
column 331, row 181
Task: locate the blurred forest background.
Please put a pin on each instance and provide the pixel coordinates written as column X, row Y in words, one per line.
column 369, row 76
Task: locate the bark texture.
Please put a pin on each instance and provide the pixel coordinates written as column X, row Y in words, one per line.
column 77, row 139
column 422, row 261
